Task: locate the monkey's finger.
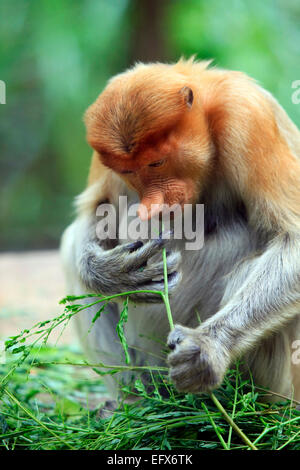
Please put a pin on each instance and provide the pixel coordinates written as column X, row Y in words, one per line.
column 131, row 247
column 173, row 281
column 183, row 354
column 153, row 274
column 140, row 255
column 144, row 297
column 187, row 379
column 176, row 336
column 173, row 278
column 134, row 246
column 193, row 371
column 118, row 251
column 157, row 270
column 147, row 283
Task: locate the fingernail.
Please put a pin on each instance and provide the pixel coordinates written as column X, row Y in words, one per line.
column 172, row 276
column 135, row 246
column 167, row 234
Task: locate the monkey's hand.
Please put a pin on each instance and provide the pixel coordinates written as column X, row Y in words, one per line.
column 129, row 267
column 197, row 362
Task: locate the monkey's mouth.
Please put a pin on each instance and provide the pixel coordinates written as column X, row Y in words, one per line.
column 161, row 210
column 165, row 198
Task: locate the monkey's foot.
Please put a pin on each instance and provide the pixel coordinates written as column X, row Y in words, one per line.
column 197, row 362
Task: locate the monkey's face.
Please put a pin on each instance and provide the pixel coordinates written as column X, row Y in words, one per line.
column 159, row 179
column 163, row 174
column 148, row 130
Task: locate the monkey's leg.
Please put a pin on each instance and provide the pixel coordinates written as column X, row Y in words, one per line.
column 270, row 365
column 294, row 343
column 274, row 364
column 101, row 343
column 93, row 267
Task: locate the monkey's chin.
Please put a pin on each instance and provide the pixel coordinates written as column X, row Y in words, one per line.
column 145, row 214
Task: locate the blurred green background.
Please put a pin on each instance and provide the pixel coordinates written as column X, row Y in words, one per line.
column 56, row 56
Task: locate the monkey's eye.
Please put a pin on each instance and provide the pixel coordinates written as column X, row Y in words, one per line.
column 156, row 164
column 127, row 172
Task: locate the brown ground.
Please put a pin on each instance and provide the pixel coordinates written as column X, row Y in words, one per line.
column 31, row 285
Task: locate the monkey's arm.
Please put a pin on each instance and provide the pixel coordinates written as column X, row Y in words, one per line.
column 262, row 295
column 259, row 157
column 120, row 269
column 102, row 265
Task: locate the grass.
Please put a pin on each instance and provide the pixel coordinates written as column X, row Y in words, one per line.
column 48, row 405
column 51, row 400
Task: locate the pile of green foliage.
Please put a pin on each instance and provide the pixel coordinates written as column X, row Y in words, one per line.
column 50, row 403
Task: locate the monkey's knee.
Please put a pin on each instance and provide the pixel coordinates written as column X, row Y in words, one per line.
column 270, row 366
column 295, row 356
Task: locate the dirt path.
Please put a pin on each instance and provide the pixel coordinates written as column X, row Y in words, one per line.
column 31, row 285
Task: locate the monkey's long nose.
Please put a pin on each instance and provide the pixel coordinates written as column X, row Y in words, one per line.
column 151, row 204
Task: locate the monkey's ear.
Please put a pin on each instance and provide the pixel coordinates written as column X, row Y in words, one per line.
column 188, row 96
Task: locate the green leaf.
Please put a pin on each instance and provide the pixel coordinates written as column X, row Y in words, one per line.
column 18, row 350
column 67, row 407
column 97, row 315
column 120, row 330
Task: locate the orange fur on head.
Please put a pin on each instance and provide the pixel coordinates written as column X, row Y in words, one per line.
column 170, row 130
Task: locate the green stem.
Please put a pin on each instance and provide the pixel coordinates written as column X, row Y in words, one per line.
column 100, row 364
column 231, row 422
column 165, row 294
column 234, row 405
column 28, row 412
column 215, row 427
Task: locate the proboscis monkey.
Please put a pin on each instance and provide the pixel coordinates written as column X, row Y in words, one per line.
column 186, row 133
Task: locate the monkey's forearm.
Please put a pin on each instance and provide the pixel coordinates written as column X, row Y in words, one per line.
column 268, row 298
column 267, row 295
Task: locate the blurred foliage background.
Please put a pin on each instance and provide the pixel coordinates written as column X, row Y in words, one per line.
column 56, row 56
